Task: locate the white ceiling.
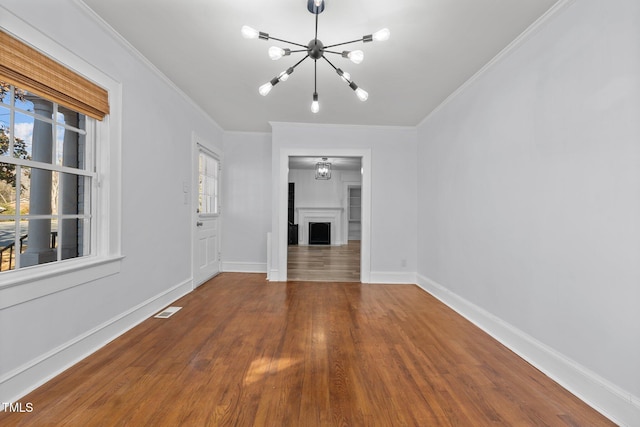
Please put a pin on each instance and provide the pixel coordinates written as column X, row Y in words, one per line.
column 435, row 46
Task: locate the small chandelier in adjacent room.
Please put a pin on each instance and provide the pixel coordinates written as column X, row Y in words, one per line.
column 315, row 50
column 323, row 169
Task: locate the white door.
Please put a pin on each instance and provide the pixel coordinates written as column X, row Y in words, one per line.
column 206, row 251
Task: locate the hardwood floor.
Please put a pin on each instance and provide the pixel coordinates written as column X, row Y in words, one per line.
column 246, row 352
column 324, row 263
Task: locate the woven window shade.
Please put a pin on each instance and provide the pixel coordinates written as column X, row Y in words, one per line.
column 26, row 68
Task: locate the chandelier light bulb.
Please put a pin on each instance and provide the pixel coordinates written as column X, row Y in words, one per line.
column 276, row 52
column 356, row 56
column 315, row 105
column 283, row 76
column 249, row 33
column 362, row 94
column 344, row 75
column 265, row 89
column 318, row 3
column 382, row 35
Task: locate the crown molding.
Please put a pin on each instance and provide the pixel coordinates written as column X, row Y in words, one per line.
column 143, row 59
column 533, row 29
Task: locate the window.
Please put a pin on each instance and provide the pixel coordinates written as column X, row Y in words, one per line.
column 208, row 184
column 46, row 179
column 60, row 159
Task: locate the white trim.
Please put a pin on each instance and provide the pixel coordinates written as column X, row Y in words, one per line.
column 35, row 282
column 339, row 126
column 244, row 267
column 332, row 215
column 281, row 180
column 345, row 194
column 26, row 378
column 274, row 276
column 560, row 6
column 392, row 277
column 616, row 404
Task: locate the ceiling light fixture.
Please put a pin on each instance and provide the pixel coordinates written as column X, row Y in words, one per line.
column 323, row 168
column 315, row 50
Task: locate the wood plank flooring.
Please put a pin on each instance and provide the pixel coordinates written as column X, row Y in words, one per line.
column 246, row 352
column 324, row 263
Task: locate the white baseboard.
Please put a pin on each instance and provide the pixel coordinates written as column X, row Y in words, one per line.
column 274, row 275
column 244, row 267
column 614, row 403
column 31, row 375
column 392, row 277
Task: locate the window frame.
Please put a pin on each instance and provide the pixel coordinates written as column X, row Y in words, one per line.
column 21, row 285
column 89, row 171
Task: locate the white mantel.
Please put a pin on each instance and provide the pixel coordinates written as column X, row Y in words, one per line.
column 332, row 215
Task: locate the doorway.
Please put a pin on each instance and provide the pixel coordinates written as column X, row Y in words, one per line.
column 206, row 204
column 280, row 242
column 324, row 212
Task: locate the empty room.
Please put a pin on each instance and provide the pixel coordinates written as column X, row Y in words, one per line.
column 319, row 213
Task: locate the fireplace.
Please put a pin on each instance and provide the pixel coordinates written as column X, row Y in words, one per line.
column 319, row 233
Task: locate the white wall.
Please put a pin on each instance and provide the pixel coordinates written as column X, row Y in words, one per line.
column 311, row 192
column 42, row 336
column 529, row 197
column 393, row 187
column 331, row 193
column 246, row 198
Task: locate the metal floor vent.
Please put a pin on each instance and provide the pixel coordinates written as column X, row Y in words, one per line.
column 167, row 312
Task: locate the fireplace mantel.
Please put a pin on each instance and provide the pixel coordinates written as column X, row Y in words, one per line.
column 333, row 215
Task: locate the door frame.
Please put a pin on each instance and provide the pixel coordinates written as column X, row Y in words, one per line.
column 283, row 192
column 199, row 144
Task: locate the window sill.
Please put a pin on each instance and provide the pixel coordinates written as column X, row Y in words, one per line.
column 17, row 287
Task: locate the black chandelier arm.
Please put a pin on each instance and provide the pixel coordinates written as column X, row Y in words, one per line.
column 343, row 43
column 315, row 75
column 300, row 62
column 331, row 51
column 330, row 63
column 301, row 50
column 287, row 41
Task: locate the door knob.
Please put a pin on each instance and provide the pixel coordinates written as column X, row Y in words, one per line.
column 199, row 223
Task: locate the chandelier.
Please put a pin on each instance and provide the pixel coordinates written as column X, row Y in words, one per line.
column 323, row 169
column 315, row 50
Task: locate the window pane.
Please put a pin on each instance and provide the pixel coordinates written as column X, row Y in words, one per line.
column 7, row 188
column 69, row 188
column 84, row 195
column 55, row 191
column 39, row 192
column 5, row 93
column 5, row 132
column 36, row 196
column 38, row 138
column 208, row 184
column 39, row 245
column 28, row 101
column 69, row 148
column 7, row 240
